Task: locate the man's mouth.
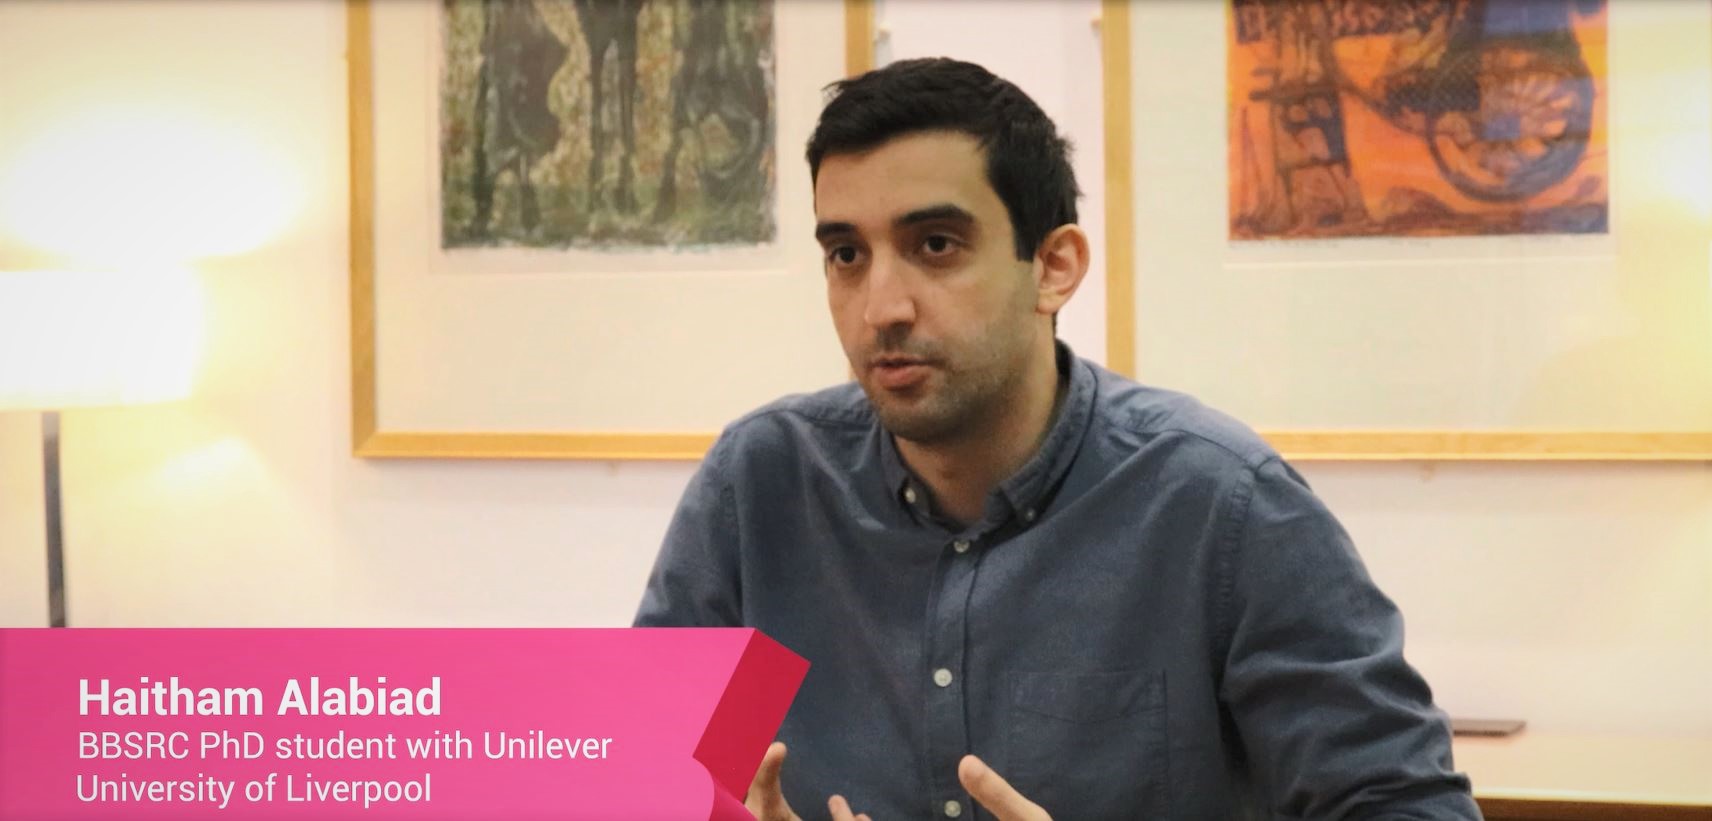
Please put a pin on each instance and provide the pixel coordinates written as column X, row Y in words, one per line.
column 899, row 372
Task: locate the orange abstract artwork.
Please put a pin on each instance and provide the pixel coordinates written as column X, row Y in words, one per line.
column 1417, row 118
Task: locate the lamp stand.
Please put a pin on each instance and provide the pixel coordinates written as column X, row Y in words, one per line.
column 56, row 535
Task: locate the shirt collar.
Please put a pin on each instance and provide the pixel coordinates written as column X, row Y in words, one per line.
column 1028, row 490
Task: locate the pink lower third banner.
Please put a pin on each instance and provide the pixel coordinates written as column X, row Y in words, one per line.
column 416, row 724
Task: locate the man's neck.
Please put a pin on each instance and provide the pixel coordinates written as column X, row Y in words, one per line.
column 962, row 472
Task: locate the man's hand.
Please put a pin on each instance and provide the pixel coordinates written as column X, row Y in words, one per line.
column 841, row 810
column 764, row 799
column 767, row 801
column 996, row 794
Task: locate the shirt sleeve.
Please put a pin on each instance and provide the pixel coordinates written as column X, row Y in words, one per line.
column 695, row 581
column 1335, row 722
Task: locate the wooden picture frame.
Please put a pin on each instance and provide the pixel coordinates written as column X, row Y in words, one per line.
column 372, row 435
column 1645, row 219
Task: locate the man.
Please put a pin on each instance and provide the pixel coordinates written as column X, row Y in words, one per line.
column 1027, row 586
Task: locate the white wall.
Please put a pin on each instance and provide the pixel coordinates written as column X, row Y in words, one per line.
column 1577, row 596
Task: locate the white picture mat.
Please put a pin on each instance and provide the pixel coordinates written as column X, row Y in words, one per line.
column 1516, row 333
column 548, row 341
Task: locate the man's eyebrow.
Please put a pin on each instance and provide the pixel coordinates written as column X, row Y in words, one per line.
column 934, row 213
column 832, row 229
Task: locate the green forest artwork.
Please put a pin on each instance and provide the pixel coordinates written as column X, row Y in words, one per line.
column 607, row 124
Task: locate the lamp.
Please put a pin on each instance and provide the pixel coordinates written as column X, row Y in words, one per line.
column 75, row 339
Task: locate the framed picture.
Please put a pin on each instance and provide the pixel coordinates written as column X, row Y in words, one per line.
column 583, row 228
column 1440, row 229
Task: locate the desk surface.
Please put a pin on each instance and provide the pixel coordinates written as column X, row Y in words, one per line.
column 1590, row 770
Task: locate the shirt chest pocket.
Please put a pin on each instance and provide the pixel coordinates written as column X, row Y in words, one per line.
column 1090, row 745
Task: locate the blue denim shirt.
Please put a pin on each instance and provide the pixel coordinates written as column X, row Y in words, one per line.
column 1154, row 619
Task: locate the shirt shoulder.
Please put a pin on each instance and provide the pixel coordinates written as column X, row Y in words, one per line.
column 833, row 422
column 1130, row 417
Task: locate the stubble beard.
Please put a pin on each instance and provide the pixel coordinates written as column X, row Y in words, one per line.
column 966, row 393
column 958, row 407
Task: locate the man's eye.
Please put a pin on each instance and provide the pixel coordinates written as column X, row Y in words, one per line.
column 842, row 255
column 938, row 244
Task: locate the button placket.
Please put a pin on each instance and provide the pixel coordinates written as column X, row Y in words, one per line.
column 947, row 733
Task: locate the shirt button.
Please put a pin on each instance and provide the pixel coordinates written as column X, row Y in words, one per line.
column 909, row 495
column 942, row 677
column 961, row 546
column 1028, row 515
column 953, row 809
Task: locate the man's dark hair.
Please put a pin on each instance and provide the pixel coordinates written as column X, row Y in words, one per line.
column 1028, row 164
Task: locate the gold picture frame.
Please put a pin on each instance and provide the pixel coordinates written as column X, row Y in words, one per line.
column 370, row 437
column 1406, row 442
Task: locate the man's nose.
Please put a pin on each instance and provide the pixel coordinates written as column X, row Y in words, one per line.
column 891, row 292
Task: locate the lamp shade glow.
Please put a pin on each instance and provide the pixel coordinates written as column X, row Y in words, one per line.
column 89, row 339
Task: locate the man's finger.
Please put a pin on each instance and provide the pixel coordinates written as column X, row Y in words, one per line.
column 767, row 777
column 841, row 810
column 996, row 794
column 765, row 799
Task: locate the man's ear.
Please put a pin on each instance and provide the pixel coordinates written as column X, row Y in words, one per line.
column 1062, row 262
